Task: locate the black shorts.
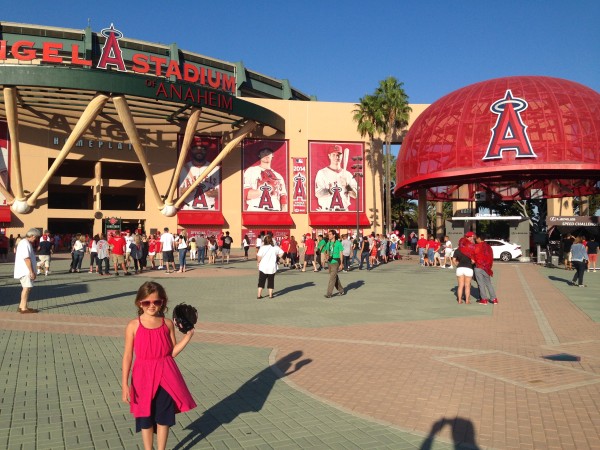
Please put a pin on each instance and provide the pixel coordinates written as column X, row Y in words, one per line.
column 162, row 412
column 168, row 256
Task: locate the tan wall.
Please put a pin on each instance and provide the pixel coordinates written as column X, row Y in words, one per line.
column 305, row 121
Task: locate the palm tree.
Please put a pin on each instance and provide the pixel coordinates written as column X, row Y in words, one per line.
column 367, row 115
column 392, row 118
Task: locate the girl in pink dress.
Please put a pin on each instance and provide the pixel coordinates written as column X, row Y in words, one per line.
column 157, row 390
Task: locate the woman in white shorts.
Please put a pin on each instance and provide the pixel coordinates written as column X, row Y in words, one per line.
column 464, row 273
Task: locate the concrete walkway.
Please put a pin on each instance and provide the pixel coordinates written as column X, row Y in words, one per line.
column 396, row 363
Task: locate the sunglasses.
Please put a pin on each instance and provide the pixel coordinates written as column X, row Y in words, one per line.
column 147, row 303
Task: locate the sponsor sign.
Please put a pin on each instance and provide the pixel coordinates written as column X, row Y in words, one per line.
column 299, row 186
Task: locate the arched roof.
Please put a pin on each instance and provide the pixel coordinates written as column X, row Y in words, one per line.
column 515, row 137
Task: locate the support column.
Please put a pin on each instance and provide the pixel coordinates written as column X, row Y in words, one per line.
column 190, row 131
column 439, row 222
column 422, row 209
column 97, row 185
column 89, row 115
column 127, row 120
column 12, row 118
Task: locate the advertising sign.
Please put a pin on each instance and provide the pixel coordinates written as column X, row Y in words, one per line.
column 207, row 196
column 333, row 186
column 299, row 186
column 265, row 175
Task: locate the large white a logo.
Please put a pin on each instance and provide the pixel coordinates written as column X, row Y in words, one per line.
column 111, row 52
column 509, row 133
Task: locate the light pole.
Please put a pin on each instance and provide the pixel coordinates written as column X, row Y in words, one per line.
column 357, row 175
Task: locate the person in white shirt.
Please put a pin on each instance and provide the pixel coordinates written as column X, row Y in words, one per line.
column 266, row 260
column 448, row 252
column 167, row 242
column 25, row 268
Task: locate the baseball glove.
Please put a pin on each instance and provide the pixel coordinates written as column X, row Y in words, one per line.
column 185, row 317
column 268, row 177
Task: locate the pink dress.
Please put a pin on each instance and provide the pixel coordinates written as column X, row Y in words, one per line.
column 154, row 366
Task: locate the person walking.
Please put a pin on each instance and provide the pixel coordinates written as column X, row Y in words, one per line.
column 45, row 250
column 483, row 256
column 464, row 274
column 226, row 248
column 103, row 255
column 136, row 253
column 24, row 269
column 93, row 249
column 266, row 260
column 579, row 259
column 246, row 246
column 309, row 252
column 320, row 249
column 202, row 243
column 167, row 242
column 347, row 245
column 365, row 251
column 157, row 390
column 77, row 253
column 117, row 248
column 193, row 249
column 592, row 251
column 335, row 251
column 182, row 248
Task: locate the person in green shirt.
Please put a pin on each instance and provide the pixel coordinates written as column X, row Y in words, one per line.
column 334, row 249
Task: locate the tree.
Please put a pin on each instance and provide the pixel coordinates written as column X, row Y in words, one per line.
column 367, row 115
column 393, row 116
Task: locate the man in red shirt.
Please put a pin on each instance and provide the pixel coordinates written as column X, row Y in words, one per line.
column 116, row 244
column 285, row 246
column 421, row 246
column 309, row 254
column 484, row 259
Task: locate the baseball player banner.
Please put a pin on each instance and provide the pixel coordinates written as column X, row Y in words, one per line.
column 4, row 161
column 265, row 175
column 334, row 188
column 207, row 196
column 299, row 191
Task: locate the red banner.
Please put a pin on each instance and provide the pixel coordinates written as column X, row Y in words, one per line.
column 207, row 196
column 265, row 176
column 334, row 182
column 299, row 191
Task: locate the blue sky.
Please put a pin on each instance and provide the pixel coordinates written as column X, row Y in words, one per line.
column 340, row 50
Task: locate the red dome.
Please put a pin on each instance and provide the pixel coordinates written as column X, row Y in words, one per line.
column 519, row 137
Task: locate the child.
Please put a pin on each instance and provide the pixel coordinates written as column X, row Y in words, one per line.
column 157, row 390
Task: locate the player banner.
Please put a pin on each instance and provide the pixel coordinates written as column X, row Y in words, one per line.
column 333, row 186
column 299, row 191
column 207, row 196
column 4, row 160
column 264, row 175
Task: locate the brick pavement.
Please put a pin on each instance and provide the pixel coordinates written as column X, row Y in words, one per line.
column 396, row 363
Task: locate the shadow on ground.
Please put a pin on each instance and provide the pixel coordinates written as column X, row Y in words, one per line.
column 250, row 397
column 463, row 433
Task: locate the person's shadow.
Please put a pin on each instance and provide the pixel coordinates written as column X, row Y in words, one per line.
column 463, row 433
column 250, row 397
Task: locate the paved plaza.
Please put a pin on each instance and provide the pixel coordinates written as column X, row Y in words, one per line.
column 394, row 364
